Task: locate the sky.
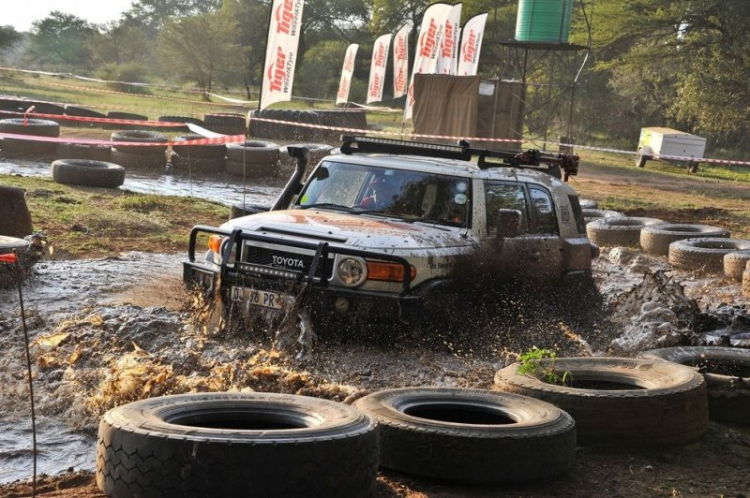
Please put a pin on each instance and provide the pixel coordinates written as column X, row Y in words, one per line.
column 21, row 13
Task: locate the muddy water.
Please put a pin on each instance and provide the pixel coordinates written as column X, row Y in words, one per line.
column 226, row 189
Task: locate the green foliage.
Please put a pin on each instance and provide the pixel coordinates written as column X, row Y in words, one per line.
column 541, row 363
column 60, row 40
column 128, row 72
column 8, row 37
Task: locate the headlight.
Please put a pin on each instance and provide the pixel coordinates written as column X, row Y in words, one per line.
column 352, row 271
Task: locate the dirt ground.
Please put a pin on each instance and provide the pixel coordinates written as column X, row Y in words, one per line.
column 132, row 338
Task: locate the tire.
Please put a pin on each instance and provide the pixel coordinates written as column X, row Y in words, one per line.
column 641, row 156
column 588, row 204
column 35, row 127
column 470, row 435
column 668, row 405
column 229, row 124
column 251, row 170
column 31, row 127
column 180, row 119
column 254, row 151
column 590, row 215
column 140, row 136
column 88, row 173
column 126, row 115
column 239, row 210
column 146, row 161
column 656, row 239
column 735, row 263
column 84, row 151
column 618, row 231
column 236, row 444
column 46, row 108
column 198, row 164
column 727, row 374
column 746, row 282
column 213, row 151
column 692, row 167
column 82, row 112
column 706, row 254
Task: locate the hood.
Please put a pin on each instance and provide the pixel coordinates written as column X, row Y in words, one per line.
column 358, row 231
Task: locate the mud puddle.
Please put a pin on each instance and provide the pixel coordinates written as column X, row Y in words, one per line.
column 110, row 331
column 222, row 188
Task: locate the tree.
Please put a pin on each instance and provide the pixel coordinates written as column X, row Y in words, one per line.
column 199, row 47
column 8, row 37
column 119, row 43
column 60, row 40
column 153, row 14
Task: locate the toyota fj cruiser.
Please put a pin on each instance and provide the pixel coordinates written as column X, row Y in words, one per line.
column 384, row 227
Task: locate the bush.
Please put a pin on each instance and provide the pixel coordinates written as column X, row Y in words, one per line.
column 128, row 72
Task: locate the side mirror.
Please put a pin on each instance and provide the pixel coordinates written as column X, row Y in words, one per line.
column 508, row 223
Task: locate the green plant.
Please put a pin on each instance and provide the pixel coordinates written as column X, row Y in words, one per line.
column 532, row 361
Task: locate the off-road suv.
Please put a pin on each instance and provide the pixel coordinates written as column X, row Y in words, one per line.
column 385, row 226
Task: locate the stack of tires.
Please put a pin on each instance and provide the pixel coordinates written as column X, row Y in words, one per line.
column 207, row 158
column 656, row 239
column 617, row 231
column 139, row 156
column 226, row 124
column 32, row 128
column 179, row 119
column 354, row 119
column 253, row 159
column 706, row 254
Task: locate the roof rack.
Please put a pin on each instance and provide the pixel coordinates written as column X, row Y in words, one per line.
column 560, row 166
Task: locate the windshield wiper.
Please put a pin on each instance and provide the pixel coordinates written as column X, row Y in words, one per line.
column 329, row 205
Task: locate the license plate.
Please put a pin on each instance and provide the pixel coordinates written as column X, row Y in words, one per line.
column 258, row 297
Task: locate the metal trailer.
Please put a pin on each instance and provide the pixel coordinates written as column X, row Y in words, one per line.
column 656, row 142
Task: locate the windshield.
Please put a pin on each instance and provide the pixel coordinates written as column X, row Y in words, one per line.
column 409, row 195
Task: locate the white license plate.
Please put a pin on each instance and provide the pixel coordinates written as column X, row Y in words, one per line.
column 258, row 297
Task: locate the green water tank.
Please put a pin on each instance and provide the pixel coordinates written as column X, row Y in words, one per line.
column 544, row 21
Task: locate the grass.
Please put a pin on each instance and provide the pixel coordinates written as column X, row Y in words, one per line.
column 91, row 222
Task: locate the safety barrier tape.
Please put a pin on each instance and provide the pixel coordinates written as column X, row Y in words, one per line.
column 378, row 132
column 701, row 160
column 134, row 122
column 224, row 139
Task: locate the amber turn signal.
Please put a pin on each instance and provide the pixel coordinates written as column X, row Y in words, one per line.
column 388, row 272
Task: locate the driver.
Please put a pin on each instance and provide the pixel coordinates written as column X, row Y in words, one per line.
column 381, row 192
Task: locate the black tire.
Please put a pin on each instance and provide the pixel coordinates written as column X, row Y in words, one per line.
column 618, row 231
column 198, row 164
column 180, row 119
column 588, row 204
column 212, row 151
column 727, row 374
column 46, row 108
column 470, row 435
column 706, row 254
column 640, row 159
column 236, row 444
column 622, row 400
column 82, row 112
column 230, row 124
column 145, row 161
column 251, row 170
column 140, row 136
column 35, row 127
column 656, row 239
column 126, row 115
column 735, row 263
column 239, row 210
column 88, row 173
column 84, row 151
column 254, row 151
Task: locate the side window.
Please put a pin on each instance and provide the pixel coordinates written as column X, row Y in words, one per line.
column 504, row 196
column 544, row 212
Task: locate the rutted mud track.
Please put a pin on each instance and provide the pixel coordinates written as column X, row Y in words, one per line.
column 106, row 332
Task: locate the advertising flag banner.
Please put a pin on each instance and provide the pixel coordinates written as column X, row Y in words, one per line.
column 428, row 47
column 347, row 71
column 377, row 68
column 281, row 51
column 400, row 62
column 471, row 45
column 448, row 58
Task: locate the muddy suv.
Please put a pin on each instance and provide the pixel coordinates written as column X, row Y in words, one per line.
column 385, row 226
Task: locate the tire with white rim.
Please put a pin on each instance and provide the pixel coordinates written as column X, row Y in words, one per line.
column 620, row 400
column 705, row 253
column 236, row 444
column 656, row 239
column 470, row 435
column 618, row 231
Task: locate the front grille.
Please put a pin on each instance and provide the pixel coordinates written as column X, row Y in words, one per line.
column 286, row 260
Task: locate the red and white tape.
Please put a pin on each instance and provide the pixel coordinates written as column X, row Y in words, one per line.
column 224, row 139
column 380, row 132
